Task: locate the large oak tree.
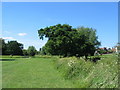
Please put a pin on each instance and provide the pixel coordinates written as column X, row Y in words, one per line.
column 67, row 41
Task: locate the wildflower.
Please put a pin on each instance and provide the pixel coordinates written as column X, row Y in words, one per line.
column 71, row 63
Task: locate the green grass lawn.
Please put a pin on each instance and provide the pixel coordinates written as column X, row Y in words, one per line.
column 36, row 72
column 54, row 72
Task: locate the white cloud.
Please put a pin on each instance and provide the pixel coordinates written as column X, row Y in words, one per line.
column 22, row 34
column 9, row 38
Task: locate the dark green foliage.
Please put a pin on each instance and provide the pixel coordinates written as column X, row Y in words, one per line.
column 14, row 48
column 42, row 51
column 102, row 51
column 2, row 46
column 25, row 52
column 110, row 50
column 89, row 41
column 59, row 39
column 105, row 51
column 31, row 51
column 11, row 48
column 67, row 41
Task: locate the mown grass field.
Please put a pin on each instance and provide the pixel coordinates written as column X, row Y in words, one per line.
column 54, row 72
column 36, row 72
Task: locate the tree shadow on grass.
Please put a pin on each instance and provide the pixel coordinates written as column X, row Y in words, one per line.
column 7, row 59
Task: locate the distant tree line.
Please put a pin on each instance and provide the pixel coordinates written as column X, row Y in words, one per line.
column 66, row 41
column 11, row 48
column 105, row 50
column 31, row 51
column 15, row 48
column 63, row 40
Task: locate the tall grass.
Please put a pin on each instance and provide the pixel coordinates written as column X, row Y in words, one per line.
column 87, row 74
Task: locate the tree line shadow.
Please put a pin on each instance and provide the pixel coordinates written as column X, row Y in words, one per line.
column 7, row 59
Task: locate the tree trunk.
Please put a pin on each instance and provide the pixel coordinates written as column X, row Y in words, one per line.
column 86, row 57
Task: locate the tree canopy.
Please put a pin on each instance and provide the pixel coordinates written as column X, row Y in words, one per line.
column 31, row 51
column 15, row 48
column 25, row 52
column 12, row 47
column 2, row 46
column 67, row 41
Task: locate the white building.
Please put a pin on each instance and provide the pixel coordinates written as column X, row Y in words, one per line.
column 117, row 48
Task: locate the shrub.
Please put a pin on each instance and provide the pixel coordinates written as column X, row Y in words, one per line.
column 31, row 51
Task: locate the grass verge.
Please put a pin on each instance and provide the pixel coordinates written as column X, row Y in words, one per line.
column 86, row 74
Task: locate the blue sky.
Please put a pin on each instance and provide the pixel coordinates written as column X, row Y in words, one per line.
column 22, row 20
